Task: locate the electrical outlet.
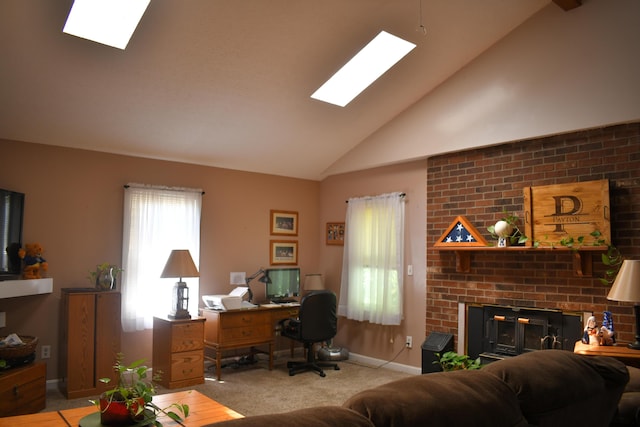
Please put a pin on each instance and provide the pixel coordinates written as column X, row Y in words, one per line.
column 45, row 352
column 409, row 341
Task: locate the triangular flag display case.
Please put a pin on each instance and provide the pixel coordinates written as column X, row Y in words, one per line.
column 461, row 233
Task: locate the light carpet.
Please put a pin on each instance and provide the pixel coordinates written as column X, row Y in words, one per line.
column 253, row 389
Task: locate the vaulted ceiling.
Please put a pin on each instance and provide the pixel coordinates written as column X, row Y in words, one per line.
column 227, row 83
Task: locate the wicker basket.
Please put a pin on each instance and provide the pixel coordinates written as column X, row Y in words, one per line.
column 21, row 350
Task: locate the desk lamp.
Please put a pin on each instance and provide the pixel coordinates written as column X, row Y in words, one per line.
column 264, row 279
column 180, row 264
column 626, row 288
column 313, row 282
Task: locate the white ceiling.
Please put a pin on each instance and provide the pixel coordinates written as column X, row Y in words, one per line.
column 227, row 83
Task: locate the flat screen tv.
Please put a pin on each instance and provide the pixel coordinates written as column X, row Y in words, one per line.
column 285, row 283
column 11, row 216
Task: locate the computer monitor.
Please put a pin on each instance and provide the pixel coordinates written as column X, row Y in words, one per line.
column 285, row 283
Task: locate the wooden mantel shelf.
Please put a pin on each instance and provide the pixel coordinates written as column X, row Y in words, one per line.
column 582, row 258
column 20, row 288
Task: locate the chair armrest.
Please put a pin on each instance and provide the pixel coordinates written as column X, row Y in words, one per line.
column 290, row 327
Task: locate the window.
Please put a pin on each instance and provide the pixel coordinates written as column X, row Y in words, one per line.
column 372, row 267
column 156, row 221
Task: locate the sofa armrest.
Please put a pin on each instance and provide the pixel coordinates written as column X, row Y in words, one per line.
column 559, row 387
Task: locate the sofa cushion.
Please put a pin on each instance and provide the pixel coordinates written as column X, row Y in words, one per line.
column 320, row 416
column 460, row 398
column 559, row 387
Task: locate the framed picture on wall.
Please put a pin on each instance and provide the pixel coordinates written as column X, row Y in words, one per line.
column 284, row 223
column 283, row 252
column 335, row 233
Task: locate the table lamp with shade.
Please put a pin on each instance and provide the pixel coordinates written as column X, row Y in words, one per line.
column 180, row 264
column 626, row 288
column 313, row 282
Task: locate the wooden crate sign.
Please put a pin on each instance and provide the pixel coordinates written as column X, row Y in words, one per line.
column 563, row 211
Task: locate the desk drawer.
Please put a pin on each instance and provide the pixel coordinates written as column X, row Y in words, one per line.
column 248, row 334
column 187, row 336
column 187, row 365
column 242, row 319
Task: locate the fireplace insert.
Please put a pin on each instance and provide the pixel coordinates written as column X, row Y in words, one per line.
column 496, row 332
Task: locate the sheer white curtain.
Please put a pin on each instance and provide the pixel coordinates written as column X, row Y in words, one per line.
column 372, row 266
column 156, row 221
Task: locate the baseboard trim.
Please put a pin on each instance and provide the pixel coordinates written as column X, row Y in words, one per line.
column 374, row 363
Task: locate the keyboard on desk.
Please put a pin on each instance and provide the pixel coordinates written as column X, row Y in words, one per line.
column 283, row 300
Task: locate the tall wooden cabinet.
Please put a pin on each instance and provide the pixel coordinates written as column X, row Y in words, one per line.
column 90, row 340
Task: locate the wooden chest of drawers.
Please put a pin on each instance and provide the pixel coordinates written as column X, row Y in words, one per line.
column 23, row 390
column 178, row 351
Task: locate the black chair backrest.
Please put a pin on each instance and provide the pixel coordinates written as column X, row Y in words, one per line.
column 318, row 319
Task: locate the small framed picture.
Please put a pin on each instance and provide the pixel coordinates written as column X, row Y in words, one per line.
column 335, row 233
column 284, row 223
column 283, row 252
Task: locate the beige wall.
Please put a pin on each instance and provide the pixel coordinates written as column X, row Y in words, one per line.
column 74, row 202
column 382, row 342
column 558, row 72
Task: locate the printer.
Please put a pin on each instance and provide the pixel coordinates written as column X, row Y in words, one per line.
column 233, row 301
column 222, row 302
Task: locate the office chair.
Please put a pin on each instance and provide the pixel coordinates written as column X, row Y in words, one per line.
column 316, row 322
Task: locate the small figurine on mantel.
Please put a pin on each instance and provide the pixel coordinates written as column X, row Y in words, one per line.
column 590, row 335
column 607, row 334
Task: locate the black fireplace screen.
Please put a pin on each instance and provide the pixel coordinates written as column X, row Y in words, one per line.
column 496, row 332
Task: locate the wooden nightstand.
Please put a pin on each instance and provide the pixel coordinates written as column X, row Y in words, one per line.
column 178, row 351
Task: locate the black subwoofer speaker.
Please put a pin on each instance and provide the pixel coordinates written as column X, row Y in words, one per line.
column 436, row 342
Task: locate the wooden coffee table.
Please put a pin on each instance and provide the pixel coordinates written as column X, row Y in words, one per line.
column 202, row 411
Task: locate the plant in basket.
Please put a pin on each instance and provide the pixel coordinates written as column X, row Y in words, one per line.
column 130, row 402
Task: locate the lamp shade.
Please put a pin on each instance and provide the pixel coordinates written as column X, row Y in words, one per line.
column 180, row 264
column 313, row 282
column 626, row 287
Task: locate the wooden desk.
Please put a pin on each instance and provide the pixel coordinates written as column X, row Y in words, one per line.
column 244, row 328
column 202, row 410
column 620, row 351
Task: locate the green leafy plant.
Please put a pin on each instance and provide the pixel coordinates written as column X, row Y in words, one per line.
column 452, row 361
column 612, row 258
column 104, row 275
column 136, row 391
column 517, row 237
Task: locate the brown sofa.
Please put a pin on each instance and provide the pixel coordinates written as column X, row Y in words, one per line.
column 542, row 388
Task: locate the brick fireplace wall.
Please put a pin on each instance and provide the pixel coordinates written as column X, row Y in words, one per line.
column 480, row 184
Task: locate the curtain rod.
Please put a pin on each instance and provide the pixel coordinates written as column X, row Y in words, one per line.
column 371, row 197
column 164, row 187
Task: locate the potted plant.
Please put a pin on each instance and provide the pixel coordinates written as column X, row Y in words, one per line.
column 130, row 401
column 452, row 361
column 104, row 277
column 507, row 231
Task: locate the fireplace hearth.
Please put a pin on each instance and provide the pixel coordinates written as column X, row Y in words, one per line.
column 496, row 332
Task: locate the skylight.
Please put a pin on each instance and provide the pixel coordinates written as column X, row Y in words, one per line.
column 371, row 62
column 110, row 22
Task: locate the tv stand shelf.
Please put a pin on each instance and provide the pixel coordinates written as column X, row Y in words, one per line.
column 582, row 258
column 20, row 288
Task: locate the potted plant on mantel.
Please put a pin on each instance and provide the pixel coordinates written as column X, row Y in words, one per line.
column 130, row 402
